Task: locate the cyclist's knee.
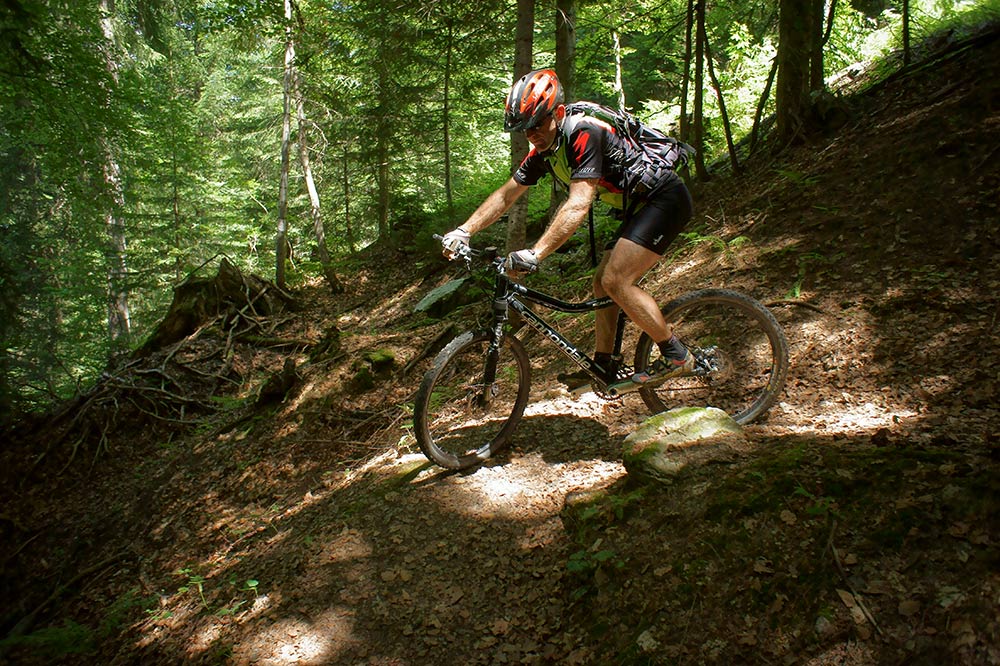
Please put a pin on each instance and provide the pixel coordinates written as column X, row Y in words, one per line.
column 611, row 283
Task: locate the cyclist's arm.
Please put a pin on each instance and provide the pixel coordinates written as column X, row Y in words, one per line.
column 495, row 205
column 569, row 216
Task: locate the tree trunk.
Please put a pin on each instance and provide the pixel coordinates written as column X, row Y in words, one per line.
column 761, row 105
column 566, row 46
column 816, row 79
column 699, row 92
column 619, row 86
column 383, row 132
column 518, row 215
column 446, row 125
column 722, row 109
column 315, row 211
column 566, row 71
column 348, row 224
column 683, row 129
column 382, row 177
column 281, row 237
column 119, row 318
column 794, row 47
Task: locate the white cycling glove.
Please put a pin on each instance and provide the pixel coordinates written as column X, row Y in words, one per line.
column 522, row 261
column 453, row 241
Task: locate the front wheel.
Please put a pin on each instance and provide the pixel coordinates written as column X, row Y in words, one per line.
column 741, row 355
column 459, row 420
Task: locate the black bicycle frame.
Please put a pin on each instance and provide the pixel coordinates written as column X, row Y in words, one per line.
column 506, row 295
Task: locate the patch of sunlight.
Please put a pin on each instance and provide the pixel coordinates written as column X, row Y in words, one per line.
column 204, row 639
column 845, row 416
column 305, row 394
column 316, row 641
column 499, row 489
column 350, row 544
column 288, row 428
column 260, row 604
column 677, row 269
column 586, row 404
column 528, row 486
column 384, row 459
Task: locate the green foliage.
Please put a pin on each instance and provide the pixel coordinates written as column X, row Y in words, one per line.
column 239, row 598
column 55, row 642
column 807, row 262
column 690, row 239
column 194, row 581
column 595, row 561
column 797, row 178
column 186, row 100
column 72, row 638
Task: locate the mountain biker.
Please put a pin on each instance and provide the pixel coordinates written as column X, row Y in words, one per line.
column 587, row 154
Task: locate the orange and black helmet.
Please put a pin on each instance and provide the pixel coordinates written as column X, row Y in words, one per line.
column 531, row 99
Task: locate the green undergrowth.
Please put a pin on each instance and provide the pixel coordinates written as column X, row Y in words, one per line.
column 68, row 637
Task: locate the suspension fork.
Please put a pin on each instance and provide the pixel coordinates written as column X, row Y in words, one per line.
column 500, row 317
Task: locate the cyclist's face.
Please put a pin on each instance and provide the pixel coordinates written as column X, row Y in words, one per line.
column 543, row 136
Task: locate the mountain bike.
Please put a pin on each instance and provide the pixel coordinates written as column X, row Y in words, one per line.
column 471, row 400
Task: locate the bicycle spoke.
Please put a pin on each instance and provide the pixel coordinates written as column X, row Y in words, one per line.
column 740, row 355
column 459, row 420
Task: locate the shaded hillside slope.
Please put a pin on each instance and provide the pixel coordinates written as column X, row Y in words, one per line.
column 861, row 530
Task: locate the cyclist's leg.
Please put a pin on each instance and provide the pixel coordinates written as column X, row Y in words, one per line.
column 606, row 318
column 644, row 238
column 628, row 262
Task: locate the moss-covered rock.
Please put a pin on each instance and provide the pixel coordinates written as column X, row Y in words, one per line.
column 381, row 361
column 668, row 442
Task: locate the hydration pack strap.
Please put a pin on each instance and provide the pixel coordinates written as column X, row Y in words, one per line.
column 593, row 244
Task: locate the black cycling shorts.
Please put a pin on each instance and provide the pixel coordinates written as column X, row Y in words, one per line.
column 655, row 225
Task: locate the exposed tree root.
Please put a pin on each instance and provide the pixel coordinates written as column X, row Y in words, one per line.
column 208, row 352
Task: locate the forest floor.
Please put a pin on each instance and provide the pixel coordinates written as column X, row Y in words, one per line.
column 863, row 527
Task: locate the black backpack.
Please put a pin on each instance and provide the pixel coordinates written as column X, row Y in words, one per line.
column 657, row 150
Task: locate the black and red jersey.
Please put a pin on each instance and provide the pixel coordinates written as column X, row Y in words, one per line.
column 587, row 146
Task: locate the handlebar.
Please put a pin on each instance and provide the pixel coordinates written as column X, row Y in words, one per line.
column 489, row 254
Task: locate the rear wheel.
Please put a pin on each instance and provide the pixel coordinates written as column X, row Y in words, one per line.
column 460, row 421
column 741, row 355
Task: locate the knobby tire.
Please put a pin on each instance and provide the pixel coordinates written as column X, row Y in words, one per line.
column 458, row 421
column 741, row 353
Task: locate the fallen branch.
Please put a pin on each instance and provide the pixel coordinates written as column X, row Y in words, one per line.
column 262, row 341
column 431, row 348
column 153, row 389
column 843, row 574
column 18, row 550
column 801, row 304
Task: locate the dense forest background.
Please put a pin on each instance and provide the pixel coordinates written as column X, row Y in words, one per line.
column 144, row 138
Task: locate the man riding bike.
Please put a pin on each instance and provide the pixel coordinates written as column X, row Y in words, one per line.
column 594, row 159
